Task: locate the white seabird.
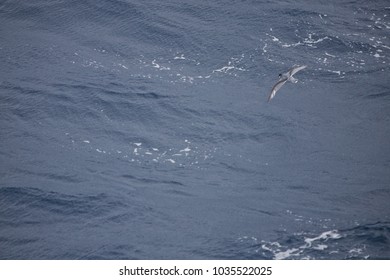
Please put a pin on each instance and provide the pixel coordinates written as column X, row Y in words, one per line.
column 283, row 78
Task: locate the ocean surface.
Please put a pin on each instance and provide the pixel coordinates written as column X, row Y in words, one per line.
column 137, row 129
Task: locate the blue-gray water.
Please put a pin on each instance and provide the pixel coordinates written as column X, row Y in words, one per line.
column 141, row 130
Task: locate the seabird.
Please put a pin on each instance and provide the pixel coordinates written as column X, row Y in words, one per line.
column 283, row 78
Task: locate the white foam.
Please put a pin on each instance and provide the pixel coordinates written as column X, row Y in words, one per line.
column 264, row 48
column 231, row 65
column 306, row 41
column 274, row 38
column 311, row 41
column 187, row 79
column 158, row 66
column 179, row 57
column 332, row 234
column 315, row 243
column 336, row 72
column 328, row 54
column 286, row 254
column 355, row 251
column 320, row 247
column 224, row 69
column 291, row 45
column 138, row 153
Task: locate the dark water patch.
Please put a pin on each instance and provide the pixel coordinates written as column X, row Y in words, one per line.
column 380, row 95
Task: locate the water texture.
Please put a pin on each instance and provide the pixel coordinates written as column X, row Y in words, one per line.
column 141, row 130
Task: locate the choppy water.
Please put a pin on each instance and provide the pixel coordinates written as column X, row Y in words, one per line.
column 140, row 130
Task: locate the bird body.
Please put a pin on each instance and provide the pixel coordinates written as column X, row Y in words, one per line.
column 283, row 78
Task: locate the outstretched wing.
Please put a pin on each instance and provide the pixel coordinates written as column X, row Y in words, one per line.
column 276, row 87
column 295, row 69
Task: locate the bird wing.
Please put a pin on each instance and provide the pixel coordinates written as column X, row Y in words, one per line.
column 276, row 87
column 295, row 69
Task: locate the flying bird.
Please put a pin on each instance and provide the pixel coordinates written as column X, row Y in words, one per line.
column 283, row 78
